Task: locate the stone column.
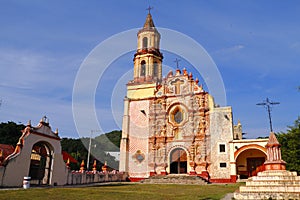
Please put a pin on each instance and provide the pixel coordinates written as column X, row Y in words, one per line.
column 123, row 166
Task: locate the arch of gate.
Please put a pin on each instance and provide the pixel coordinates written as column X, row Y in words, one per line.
column 41, row 163
column 248, row 158
column 249, row 147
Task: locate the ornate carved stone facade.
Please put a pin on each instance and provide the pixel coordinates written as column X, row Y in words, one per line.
column 178, row 119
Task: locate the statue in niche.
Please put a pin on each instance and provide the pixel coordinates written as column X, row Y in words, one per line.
column 175, row 132
column 163, row 130
column 192, row 150
column 198, row 156
column 202, row 125
column 202, row 101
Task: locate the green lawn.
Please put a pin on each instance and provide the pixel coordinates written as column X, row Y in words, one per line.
column 123, row 191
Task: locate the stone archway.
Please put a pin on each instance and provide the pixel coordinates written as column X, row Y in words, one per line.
column 178, row 161
column 248, row 158
column 40, row 163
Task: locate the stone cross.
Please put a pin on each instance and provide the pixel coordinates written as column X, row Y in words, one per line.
column 177, row 62
column 149, row 9
column 177, row 84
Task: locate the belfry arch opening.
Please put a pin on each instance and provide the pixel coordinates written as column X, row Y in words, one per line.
column 145, row 43
column 143, row 68
column 40, row 163
column 155, row 69
column 178, row 161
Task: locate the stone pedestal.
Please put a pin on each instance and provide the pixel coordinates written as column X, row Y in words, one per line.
column 275, row 182
column 272, row 184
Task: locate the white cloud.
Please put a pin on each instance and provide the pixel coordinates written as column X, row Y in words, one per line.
column 33, row 84
column 230, row 50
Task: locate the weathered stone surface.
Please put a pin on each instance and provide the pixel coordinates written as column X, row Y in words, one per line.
column 275, row 184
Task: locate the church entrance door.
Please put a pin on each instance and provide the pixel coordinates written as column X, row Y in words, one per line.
column 40, row 164
column 178, row 161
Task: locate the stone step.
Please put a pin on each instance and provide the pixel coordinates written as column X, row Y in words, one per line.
column 274, row 178
column 271, row 195
column 175, row 179
column 278, row 189
column 277, row 173
column 273, row 183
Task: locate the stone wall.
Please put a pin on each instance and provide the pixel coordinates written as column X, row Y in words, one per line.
column 77, row 178
column 221, row 134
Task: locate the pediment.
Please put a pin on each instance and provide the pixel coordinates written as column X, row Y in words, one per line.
column 178, row 84
column 42, row 129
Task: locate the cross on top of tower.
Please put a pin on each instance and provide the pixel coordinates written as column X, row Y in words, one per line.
column 149, row 9
column 177, row 62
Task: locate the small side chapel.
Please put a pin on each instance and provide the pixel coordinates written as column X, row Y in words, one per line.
column 171, row 125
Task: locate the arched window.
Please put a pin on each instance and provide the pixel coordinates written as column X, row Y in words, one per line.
column 155, row 69
column 145, row 43
column 143, row 68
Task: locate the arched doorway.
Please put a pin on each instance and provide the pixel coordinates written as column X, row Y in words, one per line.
column 40, row 164
column 248, row 160
column 178, row 161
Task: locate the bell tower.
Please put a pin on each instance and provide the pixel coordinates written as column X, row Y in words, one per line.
column 148, row 58
column 140, row 93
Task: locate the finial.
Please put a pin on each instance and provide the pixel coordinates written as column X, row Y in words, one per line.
column 43, row 119
column 149, row 9
column 56, row 131
column 95, row 166
column 82, row 166
column 197, row 80
column 170, row 74
column 104, row 167
column 29, row 123
column 185, row 72
column 68, row 163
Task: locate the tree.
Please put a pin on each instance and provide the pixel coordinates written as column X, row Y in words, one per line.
column 290, row 146
column 10, row 133
column 109, row 141
column 78, row 148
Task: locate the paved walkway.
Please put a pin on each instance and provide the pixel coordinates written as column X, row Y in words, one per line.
column 228, row 196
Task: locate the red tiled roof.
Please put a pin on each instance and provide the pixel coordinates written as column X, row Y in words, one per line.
column 67, row 156
column 6, row 150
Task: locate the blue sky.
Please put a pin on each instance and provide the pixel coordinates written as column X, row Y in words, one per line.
column 255, row 45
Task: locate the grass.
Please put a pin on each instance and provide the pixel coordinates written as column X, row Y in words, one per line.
column 123, row 191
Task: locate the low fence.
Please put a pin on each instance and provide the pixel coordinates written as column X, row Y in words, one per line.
column 76, row 178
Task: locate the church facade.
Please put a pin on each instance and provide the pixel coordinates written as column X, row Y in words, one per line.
column 171, row 125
